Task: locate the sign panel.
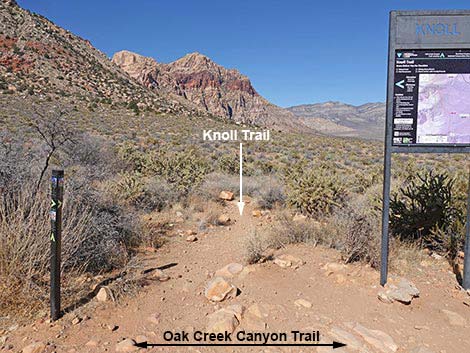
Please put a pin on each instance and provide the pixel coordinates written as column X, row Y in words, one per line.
column 431, row 99
column 428, row 97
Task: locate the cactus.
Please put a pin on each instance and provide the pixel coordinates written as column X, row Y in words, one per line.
column 424, row 210
column 314, row 190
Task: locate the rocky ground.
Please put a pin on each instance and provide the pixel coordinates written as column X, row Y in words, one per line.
column 203, row 284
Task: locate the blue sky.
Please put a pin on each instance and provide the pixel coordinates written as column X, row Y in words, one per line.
column 295, row 52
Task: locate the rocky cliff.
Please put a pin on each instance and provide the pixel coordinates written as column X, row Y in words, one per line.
column 222, row 92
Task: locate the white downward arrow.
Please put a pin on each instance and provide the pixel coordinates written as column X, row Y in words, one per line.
column 241, row 204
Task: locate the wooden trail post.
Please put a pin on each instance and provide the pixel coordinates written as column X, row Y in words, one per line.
column 57, row 198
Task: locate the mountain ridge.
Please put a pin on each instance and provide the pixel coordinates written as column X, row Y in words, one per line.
column 220, row 91
column 342, row 119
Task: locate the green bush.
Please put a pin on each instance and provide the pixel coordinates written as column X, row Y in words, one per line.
column 182, row 170
column 314, row 191
column 425, row 210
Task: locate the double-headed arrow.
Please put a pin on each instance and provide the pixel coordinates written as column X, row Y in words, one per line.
column 334, row 345
column 241, row 204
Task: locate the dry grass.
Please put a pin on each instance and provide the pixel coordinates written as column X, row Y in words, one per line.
column 25, row 250
column 258, row 247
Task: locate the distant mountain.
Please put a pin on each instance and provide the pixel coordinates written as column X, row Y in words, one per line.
column 222, row 92
column 340, row 119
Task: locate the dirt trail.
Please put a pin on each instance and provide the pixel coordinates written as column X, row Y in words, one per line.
column 340, row 297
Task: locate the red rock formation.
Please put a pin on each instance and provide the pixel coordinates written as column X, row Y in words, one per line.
column 222, row 92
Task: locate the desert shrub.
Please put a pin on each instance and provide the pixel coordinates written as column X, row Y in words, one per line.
column 155, row 227
column 314, row 191
column 143, row 193
column 214, row 183
column 129, row 187
column 16, row 162
column 257, row 247
column 158, row 195
column 183, row 170
column 228, row 164
column 267, row 190
column 25, row 243
column 361, row 240
column 270, row 195
column 424, row 210
column 290, row 231
column 92, row 153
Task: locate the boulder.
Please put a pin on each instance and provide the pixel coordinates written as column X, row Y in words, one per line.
column 256, row 213
column 219, row 289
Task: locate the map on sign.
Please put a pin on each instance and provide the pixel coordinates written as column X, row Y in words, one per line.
column 431, row 97
column 443, row 108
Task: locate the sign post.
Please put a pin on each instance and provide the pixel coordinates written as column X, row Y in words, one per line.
column 428, row 97
column 57, row 194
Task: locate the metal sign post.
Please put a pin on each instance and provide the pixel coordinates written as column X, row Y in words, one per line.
column 429, row 58
column 57, row 194
column 466, row 263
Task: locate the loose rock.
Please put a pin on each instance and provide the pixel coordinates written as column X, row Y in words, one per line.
column 230, row 271
column 222, row 321
column 378, row 339
column 403, row 293
column 191, row 238
column 36, row 347
column 303, row 303
column 223, row 219
column 226, row 195
column 128, row 345
column 219, row 289
column 345, row 337
column 103, row 295
column 159, row 275
column 286, row 261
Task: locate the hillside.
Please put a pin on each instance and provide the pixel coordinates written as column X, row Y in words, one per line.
column 340, row 119
column 222, row 92
column 40, row 59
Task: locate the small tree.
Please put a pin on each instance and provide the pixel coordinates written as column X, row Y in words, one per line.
column 55, row 128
